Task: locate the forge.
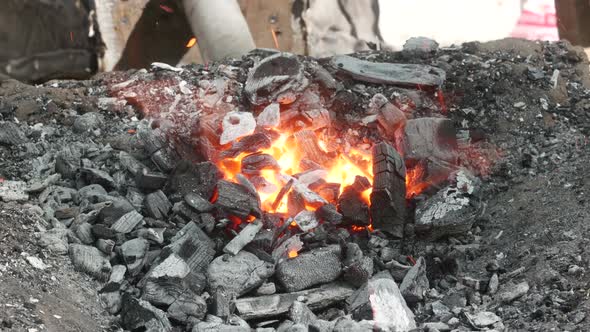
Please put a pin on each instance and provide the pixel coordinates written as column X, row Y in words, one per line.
column 390, row 191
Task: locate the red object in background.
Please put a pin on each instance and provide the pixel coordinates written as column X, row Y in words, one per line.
column 538, row 21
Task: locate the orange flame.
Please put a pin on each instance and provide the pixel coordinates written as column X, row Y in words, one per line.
column 293, row 254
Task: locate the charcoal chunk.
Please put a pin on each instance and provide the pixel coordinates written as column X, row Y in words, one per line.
column 134, row 253
column 238, row 274
column 96, row 176
column 90, row 260
column 149, row 181
column 157, row 205
column 329, row 213
column 87, row 122
column 235, row 199
column 127, row 222
column 67, row 162
column 311, row 268
column 141, row 315
column 199, row 178
column 198, row 203
column 11, row 134
column 188, row 309
column 415, row 283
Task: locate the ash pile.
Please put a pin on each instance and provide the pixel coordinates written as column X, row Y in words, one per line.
column 171, row 211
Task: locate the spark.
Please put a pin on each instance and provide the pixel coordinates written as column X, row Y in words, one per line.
column 274, row 37
column 167, row 9
column 192, row 42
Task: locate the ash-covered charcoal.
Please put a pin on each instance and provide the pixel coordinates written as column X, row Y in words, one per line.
column 238, row 274
column 198, row 203
column 97, row 176
column 295, row 202
column 430, row 138
column 155, row 235
column 118, row 207
column 133, row 253
column 130, row 164
column 274, row 75
column 299, row 313
column 451, row 210
column 388, row 198
column 278, row 304
column 149, row 181
column 353, row 208
column 157, row 205
column 248, row 144
column 357, row 267
column 166, row 281
column 67, row 162
column 391, row 120
column 106, row 246
column 200, row 178
column 246, row 235
column 165, row 159
column 412, row 75
column 254, row 163
column 235, row 199
column 11, row 134
column 192, row 245
column 187, row 309
column 90, row 260
column 213, row 324
column 236, row 125
column 329, row 213
column 270, row 117
column 127, row 222
column 83, row 232
column 381, row 301
column 415, row 283
column 306, row 220
column 310, row 197
column 262, row 185
column 141, row 315
column 310, row 268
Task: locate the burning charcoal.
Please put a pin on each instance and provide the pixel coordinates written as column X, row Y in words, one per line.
column 361, row 183
column 127, row 222
column 307, row 145
column 430, row 138
column 391, row 119
column 449, row 211
column 357, row 268
column 309, row 165
column 311, row 268
column 389, row 73
column 90, row 260
column 67, row 162
column 246, row 183
column 198, row 203
column 254, row 163
column 273, row 76
column 10, row 134
column 388, row 198
column 329, row 213
column 150, row 181
column 55, row 240
column 278, row 304
column 329, row 191
column 87, row 122
column 306, row 220
column 236, row 125
column 188, row 309
column 96, row 176
column 245, row 236
column 248, row 144
column 238, row 274
column 134, row 253
column 141, row 315
column 316, row 118
column 353, row 208
column 194, row 246
column 164, row 283
column 270, row 117
column 415, row 282
column 157, row 205
column 282, row 193
column 199, row 178
column 311, row 177
column 235, row 199
column 295, row 202
column 106, row 246
column 311, row 198
column 381, row 301
column 262, row 185
column 289, row 247
column 112, row 212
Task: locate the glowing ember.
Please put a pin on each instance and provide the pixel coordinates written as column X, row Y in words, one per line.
column 293, row 254
column 274, row 37
column 192, row 42
column 167, row 9
column 342, row 169
column 415, row 183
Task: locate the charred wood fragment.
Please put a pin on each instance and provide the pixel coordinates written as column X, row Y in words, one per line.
column 235, row 199
column 353, row 208
column 254, row 163
column 388, row 199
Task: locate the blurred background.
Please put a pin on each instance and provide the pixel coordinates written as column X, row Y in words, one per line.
column 45, row 39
